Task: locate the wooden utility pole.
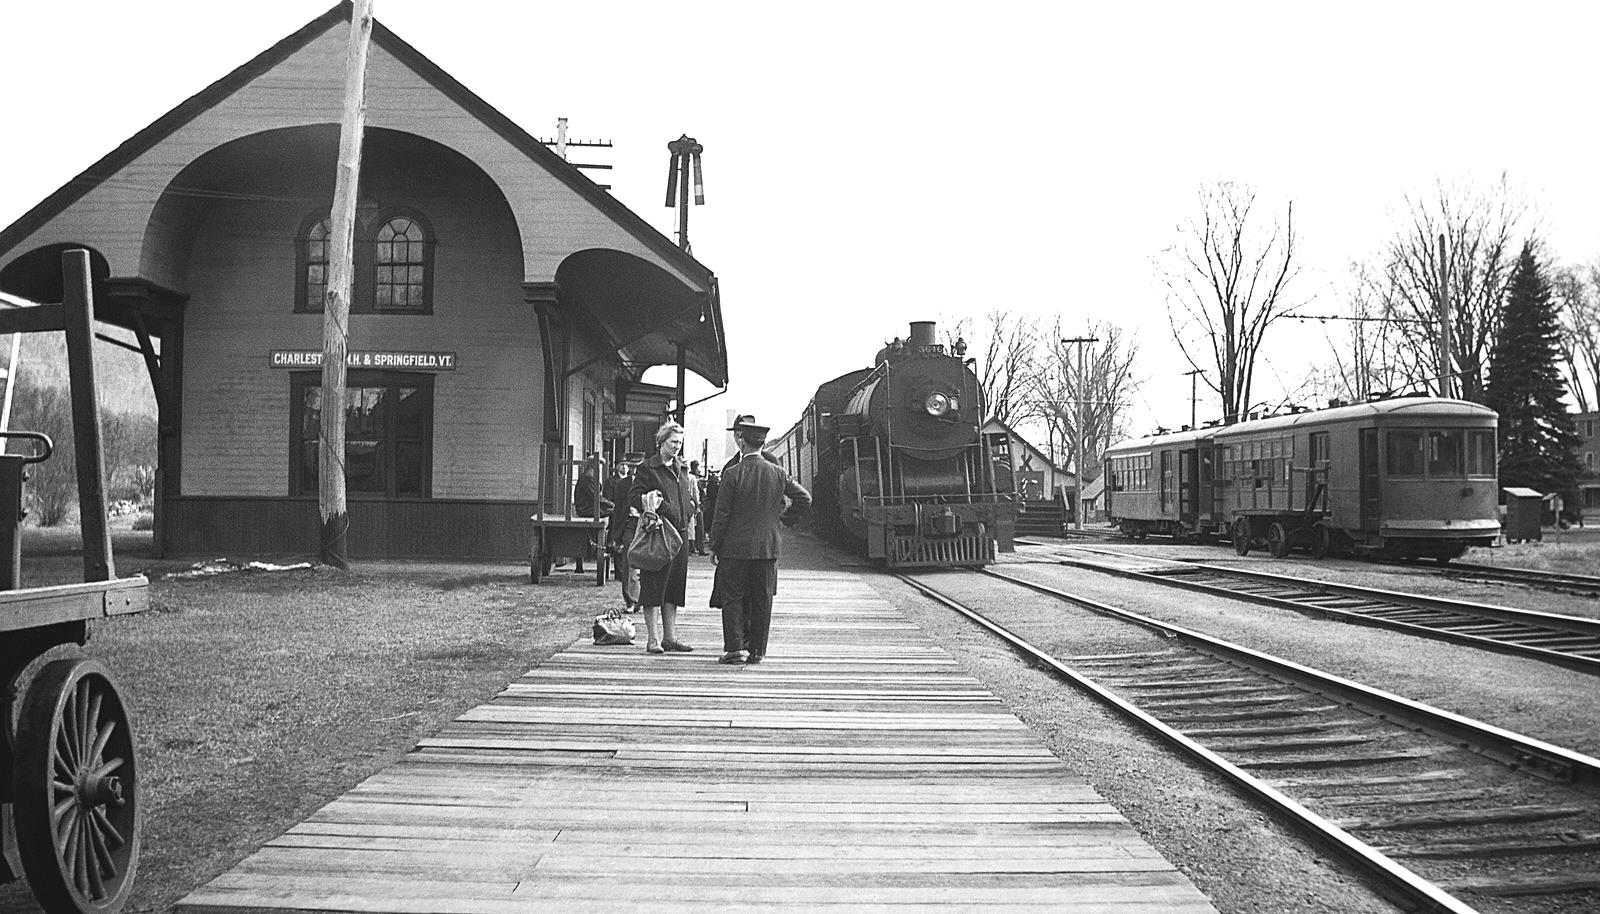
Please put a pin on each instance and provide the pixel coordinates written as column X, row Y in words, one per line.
column 1077, row 433
column 1446, row 357
column 336, row 307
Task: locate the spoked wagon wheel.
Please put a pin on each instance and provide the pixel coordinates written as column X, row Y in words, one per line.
column 1321, row 542
column 1278, row 541
column 77, row 809
column 1241, row 536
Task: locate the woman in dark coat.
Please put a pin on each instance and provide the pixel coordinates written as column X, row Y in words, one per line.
column 663, row 484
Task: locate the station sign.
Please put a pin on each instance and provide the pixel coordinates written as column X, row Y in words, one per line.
column 312, row 358
column 619, row 425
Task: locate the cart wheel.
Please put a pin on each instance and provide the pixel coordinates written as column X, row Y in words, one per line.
column 1321, row 542
column 1241, row 536
column 1278, row 541
column 77, row 809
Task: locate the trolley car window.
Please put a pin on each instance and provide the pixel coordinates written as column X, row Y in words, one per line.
column 388, row 429
column 1480, row 452
column 1446, row 453
column 1404, row 453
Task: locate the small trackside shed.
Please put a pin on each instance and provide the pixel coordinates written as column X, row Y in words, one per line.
column 503, row 303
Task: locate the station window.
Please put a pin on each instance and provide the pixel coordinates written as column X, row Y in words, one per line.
column 393, row 269
column 388, row 433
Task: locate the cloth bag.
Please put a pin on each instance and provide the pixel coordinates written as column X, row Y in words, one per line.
column 655, row 544
column 613, row 628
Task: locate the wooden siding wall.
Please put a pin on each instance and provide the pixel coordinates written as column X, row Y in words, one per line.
column 305, row 89
column 436, row 528
column 242, row 283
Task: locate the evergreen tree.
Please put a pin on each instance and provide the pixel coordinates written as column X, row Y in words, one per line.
column 1538, row 437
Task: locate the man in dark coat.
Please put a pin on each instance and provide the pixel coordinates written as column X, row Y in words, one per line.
column 745, row 541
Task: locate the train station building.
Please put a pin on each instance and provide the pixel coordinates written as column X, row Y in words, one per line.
column 504, row 308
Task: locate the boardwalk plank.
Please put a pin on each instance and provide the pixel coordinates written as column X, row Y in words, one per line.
column 859, row 769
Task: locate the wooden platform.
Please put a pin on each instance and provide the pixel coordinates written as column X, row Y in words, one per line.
column 857, row 769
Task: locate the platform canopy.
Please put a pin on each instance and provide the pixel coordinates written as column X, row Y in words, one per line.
column 647, row 313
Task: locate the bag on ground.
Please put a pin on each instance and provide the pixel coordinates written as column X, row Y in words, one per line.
column 613, row 628
column 655, row 544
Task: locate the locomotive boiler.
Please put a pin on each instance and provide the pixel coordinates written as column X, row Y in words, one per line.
column 896, row 462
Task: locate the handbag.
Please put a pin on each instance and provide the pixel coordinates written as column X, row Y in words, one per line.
column 613, row 628
column 655, row 544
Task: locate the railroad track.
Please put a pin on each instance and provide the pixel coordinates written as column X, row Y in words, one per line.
column 1569, row 641
column 1586, row 585
column 1416, row 798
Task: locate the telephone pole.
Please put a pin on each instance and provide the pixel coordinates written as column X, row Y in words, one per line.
column 1077, row 432
column 336, row 306
column 1446, row 358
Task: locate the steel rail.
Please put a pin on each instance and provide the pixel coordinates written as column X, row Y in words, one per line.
column 1515, row 750
column 1561, row 580
column 1538, row 623
column 1420, row 892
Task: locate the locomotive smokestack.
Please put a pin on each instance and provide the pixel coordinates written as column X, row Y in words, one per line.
column 922, row 333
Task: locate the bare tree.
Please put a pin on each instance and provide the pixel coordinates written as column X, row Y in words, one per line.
column 1087, row 401
column 52, row 487
column 1363, row 343
column 1577, row 291
column 1478, row 225
column 1230, row 276
column 1006, row 347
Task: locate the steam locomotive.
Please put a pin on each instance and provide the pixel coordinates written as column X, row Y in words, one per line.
column 896, row 462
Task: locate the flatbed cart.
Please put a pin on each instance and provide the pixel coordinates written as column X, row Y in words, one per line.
column 70, row 804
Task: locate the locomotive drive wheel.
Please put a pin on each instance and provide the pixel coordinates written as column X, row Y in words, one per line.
column 1241, row 536
column 1278, row 541
column 77, row 810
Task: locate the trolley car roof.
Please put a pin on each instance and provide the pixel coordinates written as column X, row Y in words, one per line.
column 1400, row 407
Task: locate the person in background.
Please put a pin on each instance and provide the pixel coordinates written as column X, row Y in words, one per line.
column 587, row 500
column 701, row 516
column 745, row 541
column 663, row 485
column 624, row 521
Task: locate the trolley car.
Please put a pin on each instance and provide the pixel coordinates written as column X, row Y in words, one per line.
column 1411, row 477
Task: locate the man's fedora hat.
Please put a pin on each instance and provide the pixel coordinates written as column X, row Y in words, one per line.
column 747, row 423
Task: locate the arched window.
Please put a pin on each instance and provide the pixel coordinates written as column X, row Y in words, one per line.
column 313, row 248
column 392, row 270
column 400, row 278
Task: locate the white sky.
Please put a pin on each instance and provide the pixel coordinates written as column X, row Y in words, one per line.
column 868, row 164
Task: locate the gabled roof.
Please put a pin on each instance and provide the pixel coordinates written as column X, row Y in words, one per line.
column 208, row 97
column 994, row 423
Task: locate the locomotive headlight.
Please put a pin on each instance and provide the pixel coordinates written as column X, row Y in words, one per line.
column 937, row 404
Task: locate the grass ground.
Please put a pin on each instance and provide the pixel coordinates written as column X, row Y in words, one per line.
column 1575, row 551
column 258, row 697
